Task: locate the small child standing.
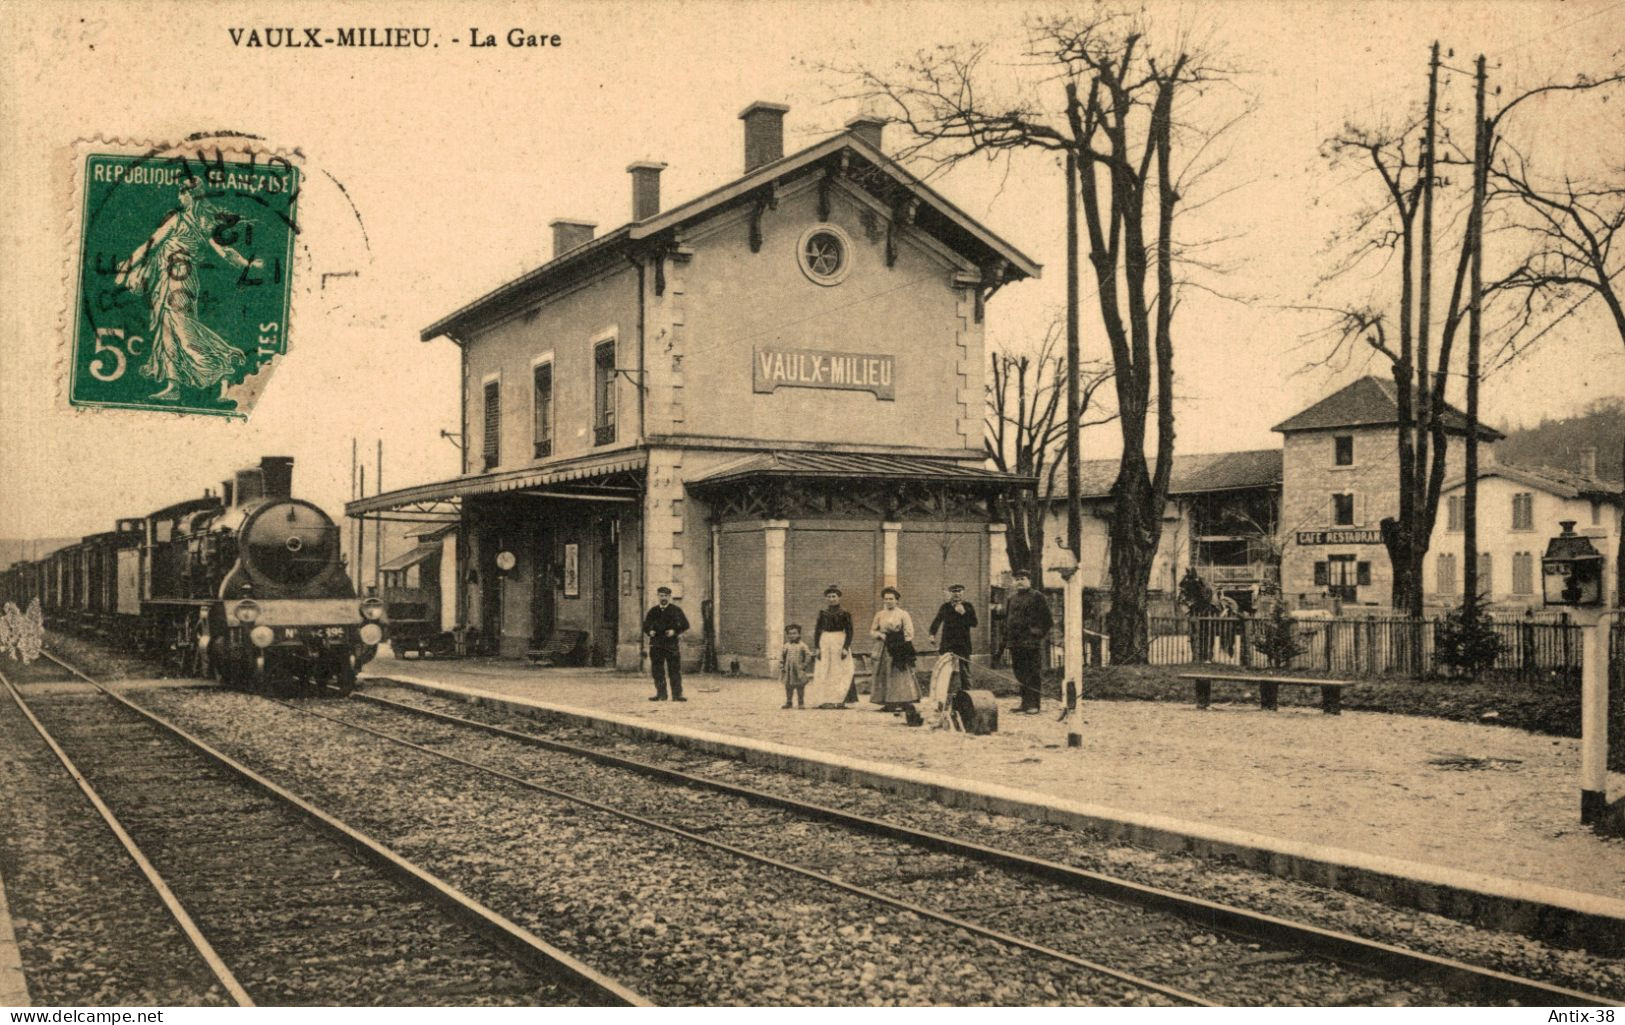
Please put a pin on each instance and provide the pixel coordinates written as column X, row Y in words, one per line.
column 795, row 666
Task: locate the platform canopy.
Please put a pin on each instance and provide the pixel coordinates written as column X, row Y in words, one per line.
column 610, row 475
column 887, row 484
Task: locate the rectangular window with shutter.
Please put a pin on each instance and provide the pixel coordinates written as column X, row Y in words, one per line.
column 603, row 363
column 1523, row 573
column 1364, row 573
column 1523, row 511
column 1320, row 574
column 543, row 383
column 493, row 423
column 1453, row 513
column 1447, row 574
column 1486, row 574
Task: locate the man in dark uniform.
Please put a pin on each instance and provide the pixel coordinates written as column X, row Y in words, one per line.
column 1027, row 622
column 663, row 624
column 951, row 629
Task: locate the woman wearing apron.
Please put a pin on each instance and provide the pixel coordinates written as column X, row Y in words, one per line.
column 832, row 650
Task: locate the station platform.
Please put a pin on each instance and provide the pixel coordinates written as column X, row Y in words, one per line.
column 1477, row 821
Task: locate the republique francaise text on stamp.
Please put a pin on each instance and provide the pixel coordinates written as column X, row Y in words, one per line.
column 184, row 278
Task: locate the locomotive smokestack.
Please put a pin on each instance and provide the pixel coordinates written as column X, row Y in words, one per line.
column 277, row 472
column 226, row 490
column 250, row 485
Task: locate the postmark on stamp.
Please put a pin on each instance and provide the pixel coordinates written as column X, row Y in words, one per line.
column 185, row 271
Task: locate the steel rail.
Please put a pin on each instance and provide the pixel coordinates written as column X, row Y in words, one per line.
column 189, row 928
column 524, row 945
column 1357, row 951
column 763, row 859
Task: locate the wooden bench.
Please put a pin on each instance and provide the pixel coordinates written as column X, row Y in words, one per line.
column 1331, row 691
column 568, row 648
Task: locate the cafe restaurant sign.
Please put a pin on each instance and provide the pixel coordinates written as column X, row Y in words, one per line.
column 1339, row 537
column 818, row 368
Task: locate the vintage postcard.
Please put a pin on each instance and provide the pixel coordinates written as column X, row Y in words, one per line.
column 744, row 503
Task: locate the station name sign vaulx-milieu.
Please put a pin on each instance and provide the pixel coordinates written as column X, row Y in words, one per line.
column 817, row 368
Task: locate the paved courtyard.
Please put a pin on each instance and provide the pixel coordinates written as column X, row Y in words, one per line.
column 1473, row 798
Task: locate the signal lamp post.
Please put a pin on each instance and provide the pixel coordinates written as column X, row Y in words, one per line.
column 1571, row 578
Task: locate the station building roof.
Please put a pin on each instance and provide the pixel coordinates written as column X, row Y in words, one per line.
column 871, row 169
column 846, row 466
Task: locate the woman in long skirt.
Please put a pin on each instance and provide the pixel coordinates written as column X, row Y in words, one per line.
column 832, row 649
column 893, row 631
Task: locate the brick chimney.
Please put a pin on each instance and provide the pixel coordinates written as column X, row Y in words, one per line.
column 764, row 133
column 868, row 128
column 1588, row 460
column 645, row 188
column 568, row 234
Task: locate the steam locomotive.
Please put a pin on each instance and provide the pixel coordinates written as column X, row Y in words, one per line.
column 247, row 586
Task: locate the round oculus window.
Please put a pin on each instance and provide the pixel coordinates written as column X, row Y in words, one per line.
column 825, row 254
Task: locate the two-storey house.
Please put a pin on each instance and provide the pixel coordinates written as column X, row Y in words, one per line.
column 767, row 389
column 1520, row 509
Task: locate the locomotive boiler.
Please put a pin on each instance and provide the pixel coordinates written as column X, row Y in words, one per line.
column 247, row 586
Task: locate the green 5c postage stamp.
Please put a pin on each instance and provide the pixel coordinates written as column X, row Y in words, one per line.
column 184, row 279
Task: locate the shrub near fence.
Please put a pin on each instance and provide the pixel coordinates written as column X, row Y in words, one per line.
column 1374, row 646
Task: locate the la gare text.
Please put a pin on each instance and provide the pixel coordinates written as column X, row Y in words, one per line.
column 284, row 37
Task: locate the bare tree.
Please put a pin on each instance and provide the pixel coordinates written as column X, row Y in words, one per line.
column 1025, row 433
column 1573, row 229
column 1400, row 331
column 1570, row 225
column 1097, row 90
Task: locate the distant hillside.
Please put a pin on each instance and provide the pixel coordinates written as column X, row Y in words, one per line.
column 14, row 551
column 1558, row 442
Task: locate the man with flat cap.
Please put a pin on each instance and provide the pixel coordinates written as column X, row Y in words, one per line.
column 951, row 629
column 663, row 625
column 1027, row 621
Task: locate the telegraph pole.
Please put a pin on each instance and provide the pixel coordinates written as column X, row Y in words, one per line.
column 1475, row 303
column 1072, row 611
column 378, row 522
column 357, row 526
column 1417, row 375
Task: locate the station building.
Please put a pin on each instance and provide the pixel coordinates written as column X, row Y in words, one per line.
column 746, row 397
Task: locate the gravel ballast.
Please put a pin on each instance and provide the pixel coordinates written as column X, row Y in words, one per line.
column 1205, row 878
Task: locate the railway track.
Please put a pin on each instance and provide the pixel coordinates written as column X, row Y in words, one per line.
column 1024, row 900
column 284, row 903
column 1184, row 950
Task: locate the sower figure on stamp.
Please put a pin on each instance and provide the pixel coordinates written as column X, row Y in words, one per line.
column 167, row 271
column 1028, row 622
column 951, row 630
column 663, row 625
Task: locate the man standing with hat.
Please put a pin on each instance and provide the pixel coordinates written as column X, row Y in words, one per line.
column 663, row 625
column 1027, row 622
column 951, row 629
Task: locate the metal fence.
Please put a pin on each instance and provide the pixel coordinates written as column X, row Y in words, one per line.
column 1373, row 646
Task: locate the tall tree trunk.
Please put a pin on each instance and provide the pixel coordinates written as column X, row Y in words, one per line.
column 1131, row 559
